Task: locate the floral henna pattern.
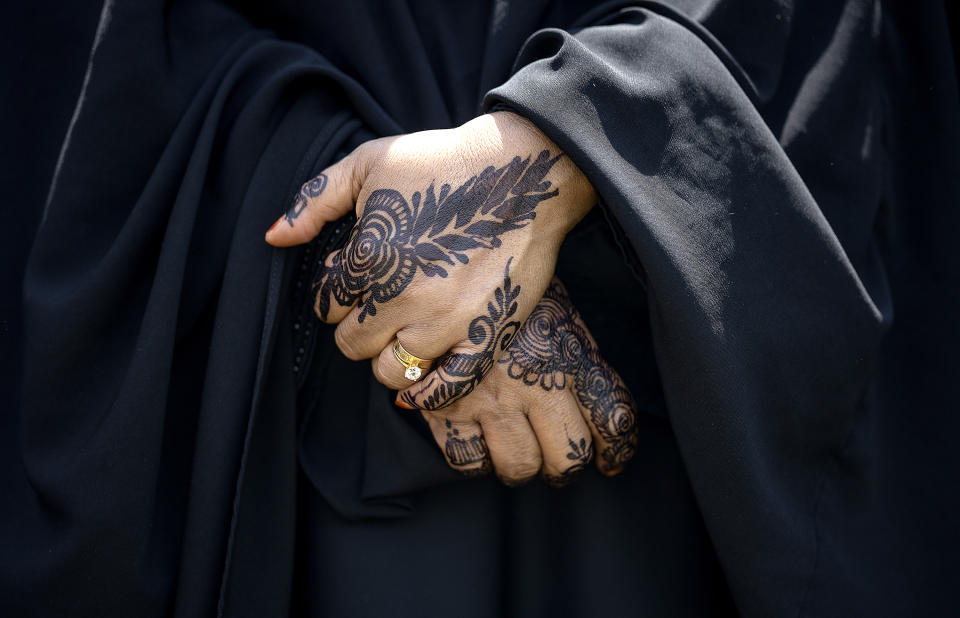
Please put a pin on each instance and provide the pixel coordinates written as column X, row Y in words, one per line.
column 581, row 453
column 458, row 374
column 554, row 348
column 432, row 232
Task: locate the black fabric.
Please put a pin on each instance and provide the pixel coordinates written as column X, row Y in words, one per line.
column 770, row 269
column 40, row 89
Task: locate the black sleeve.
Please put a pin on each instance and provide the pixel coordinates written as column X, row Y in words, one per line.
column 764, row 333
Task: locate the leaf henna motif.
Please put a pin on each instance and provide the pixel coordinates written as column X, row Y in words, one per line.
column 432, row 232
column 581, row 453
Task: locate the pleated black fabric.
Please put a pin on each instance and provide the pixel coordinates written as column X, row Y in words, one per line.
column 770, row 268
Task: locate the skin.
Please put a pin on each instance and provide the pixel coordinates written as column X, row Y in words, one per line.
column 545, row 408
column 445, row 218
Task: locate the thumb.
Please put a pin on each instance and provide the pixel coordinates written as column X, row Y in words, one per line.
column 324, row 198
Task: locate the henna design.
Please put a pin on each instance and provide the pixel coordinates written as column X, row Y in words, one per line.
column 457, row 375
column 581, row 453
column 465, row 452
column 312, row 188
column 554, row 347
column 434, row 231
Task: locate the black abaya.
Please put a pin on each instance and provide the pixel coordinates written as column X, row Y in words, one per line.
column 769, row 269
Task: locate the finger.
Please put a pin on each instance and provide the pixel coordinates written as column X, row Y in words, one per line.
column 324, row 198
column 389, row 371
column 426, row 342
column 489, row 334
column 334, row 299
column 610, row 412
column 455, row 377
column 564, row 437
column 513, row 446
column 359, row 341
column 460, row 371
column 462, row 443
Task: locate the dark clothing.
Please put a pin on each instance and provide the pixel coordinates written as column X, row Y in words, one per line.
column 769, row 269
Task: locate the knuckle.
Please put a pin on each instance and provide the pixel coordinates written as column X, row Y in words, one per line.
column 505, row 409
column 347, row 343
column 517, row 472
column 500, row 416
column 357, row 166
column 379, row 374
column 363, row 150
column 325, row 210
column 370, row 149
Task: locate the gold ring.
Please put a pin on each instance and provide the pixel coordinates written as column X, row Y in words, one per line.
column 414, row 365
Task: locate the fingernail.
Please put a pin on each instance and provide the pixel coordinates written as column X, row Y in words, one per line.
column 402, row 404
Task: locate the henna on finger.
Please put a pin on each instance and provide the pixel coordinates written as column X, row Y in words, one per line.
column 468, row 455
column 581, row 453
column 611, row 407
column 458, row 374
column 462, row 443
column 554, row 350
column 310, row 189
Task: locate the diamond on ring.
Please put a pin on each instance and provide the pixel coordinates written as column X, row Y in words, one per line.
column 413, row 366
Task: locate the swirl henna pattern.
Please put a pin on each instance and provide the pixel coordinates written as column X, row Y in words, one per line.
column 554, row 348
column 312, row 188
column 434, row 231
column 459, row 374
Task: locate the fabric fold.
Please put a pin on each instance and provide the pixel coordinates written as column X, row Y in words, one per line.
column 764, row 333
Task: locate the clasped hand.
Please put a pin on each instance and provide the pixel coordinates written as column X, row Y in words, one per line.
column 453, row 255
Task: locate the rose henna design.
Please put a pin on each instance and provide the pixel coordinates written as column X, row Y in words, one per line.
column 554, row 350
column 458, row 374
column 431, row 233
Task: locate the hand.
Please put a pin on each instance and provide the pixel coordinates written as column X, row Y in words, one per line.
column 546, row 405
column 444, row 213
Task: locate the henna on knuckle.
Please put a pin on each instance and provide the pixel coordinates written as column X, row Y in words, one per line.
column 554, row 351
column 459, row 374
column 580, row 454
column 466, row 454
